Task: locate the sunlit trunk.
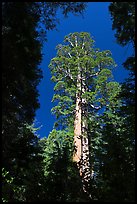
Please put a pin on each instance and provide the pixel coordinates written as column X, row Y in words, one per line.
column 81, row 153
column 77, row 123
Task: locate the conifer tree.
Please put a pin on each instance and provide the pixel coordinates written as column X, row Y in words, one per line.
column 84, row 88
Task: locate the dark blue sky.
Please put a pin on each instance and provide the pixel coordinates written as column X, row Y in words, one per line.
column 96, row 21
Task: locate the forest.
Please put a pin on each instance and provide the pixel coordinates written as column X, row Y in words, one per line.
column 89, row 156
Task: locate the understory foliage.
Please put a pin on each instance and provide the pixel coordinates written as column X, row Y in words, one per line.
column 123, row 21
column 61, row 173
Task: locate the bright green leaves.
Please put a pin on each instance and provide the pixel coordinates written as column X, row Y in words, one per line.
column 113, row 89
column 66, row 99
column 53, row 78
column 78, row 39
column 59, row 144
column 106, row 91
column 101, row 81
column 71, row 91
column 105, row 58
column 59, row 86
column 103, row 76
column 89, row 96
column 79, row 62
column 62, row 108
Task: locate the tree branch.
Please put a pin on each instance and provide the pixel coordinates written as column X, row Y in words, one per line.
column 95, row 107
column 67, row 72
column 70, row 42
column 69, row 54
column 76, row 42
column 83, row 44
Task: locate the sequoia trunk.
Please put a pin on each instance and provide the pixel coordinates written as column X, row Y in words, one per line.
column 81, row 153
column 77, row 124
column 85, row 163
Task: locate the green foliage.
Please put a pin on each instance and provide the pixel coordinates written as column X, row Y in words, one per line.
column 56, row 144
column 106, row 127
column 95, row 66
column 63, row 182
column 111, row 144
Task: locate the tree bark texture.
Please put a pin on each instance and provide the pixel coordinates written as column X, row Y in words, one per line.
column 81, row 142
column 77, row 124
column 85, row 163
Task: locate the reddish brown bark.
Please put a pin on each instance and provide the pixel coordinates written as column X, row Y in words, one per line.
column 77, row 124
column 77, row 132
column 81, row 153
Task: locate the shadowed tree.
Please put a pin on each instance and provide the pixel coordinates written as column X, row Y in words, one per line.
column 123, row 22
column 22, row 34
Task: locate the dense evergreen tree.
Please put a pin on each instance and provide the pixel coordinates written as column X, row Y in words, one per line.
column 22, row 32
column 123, row 21
column 116, row 181
column 84, row 87
column 21, row 55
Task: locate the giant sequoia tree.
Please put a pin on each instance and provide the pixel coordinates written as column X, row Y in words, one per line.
column 84, row 88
